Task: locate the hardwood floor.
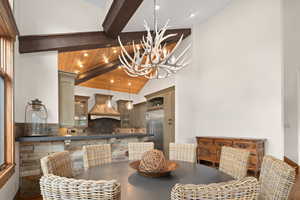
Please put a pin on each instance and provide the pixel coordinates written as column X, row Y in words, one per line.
column 295, row 194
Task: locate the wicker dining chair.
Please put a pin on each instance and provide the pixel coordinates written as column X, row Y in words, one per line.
column 58, row 164
column 61, row 188
column 242, row 189
column 95, row 155
column 182, row 152
column 234, row 162
column 276, row 179
column 137, row 149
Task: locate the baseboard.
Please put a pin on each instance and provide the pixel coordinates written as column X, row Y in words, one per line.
column 292, row 163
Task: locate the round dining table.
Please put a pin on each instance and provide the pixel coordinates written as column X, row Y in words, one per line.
column 137, row 187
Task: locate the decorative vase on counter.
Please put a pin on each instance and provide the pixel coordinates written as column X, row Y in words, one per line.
column 36, row 116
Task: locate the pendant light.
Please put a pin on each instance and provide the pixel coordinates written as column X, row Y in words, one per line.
column 129, row 104
column 109, row 101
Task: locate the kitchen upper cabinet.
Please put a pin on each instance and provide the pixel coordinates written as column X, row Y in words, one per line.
column 66, row 99
column 134, row 118
column 81, row 111
column 137, row 115
column 124, row 113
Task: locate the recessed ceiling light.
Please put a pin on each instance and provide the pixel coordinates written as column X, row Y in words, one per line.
column 192, row 15
column 129, row 83
column 112, row 81
column 114, row 51
column 105, row 59
column 80, row 64
column 85, row 54
column 157, row 7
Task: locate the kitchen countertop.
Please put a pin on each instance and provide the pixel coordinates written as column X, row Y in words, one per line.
column 78, row 137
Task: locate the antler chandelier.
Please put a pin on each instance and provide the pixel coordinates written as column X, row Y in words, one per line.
column 153, row 60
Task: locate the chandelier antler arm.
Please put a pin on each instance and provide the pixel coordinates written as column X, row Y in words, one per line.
column 175, row 48
column 170, row 55
column 183, row 53
column 123, row 59
column 126, row 65
column 131, row 72
column 160, row 33
column 124, row 50
column 130, row 67
column 125, row 54
column 146, row 43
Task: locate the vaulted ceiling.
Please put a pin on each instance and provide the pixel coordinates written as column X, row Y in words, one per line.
column 96, row 68
column 85, row 60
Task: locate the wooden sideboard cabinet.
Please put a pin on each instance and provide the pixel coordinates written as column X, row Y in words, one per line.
column 209, row 149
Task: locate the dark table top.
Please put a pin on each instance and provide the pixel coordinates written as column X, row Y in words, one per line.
column 137, row 187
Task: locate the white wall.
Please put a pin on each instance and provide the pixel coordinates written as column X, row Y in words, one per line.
column 36, row 76
column 11, row 187
column 85, row 91
column 234, row 86
column 292, row 65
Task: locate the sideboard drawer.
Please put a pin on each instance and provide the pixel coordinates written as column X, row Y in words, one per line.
column 209, row 154
column 244, row 145
column 220, row 143
column 206, row 142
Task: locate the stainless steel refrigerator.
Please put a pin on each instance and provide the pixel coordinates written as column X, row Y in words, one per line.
column 155, row 126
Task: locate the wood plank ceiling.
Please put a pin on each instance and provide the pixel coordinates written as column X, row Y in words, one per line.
column 84, row 60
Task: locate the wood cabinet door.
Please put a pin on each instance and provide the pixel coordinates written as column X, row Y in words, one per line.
column 169, row 122
column 208, row 153
column 138, row 116
column 81, row 111
column 66, row 99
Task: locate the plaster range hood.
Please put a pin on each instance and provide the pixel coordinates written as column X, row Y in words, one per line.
column 101, row 110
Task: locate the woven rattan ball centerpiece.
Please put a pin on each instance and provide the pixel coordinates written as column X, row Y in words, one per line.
column 153, row 161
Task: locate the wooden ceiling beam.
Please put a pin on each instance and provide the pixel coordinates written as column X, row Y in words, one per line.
column 96, row 71
column 8, row 26
column 119, row 15
column 84, row 41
